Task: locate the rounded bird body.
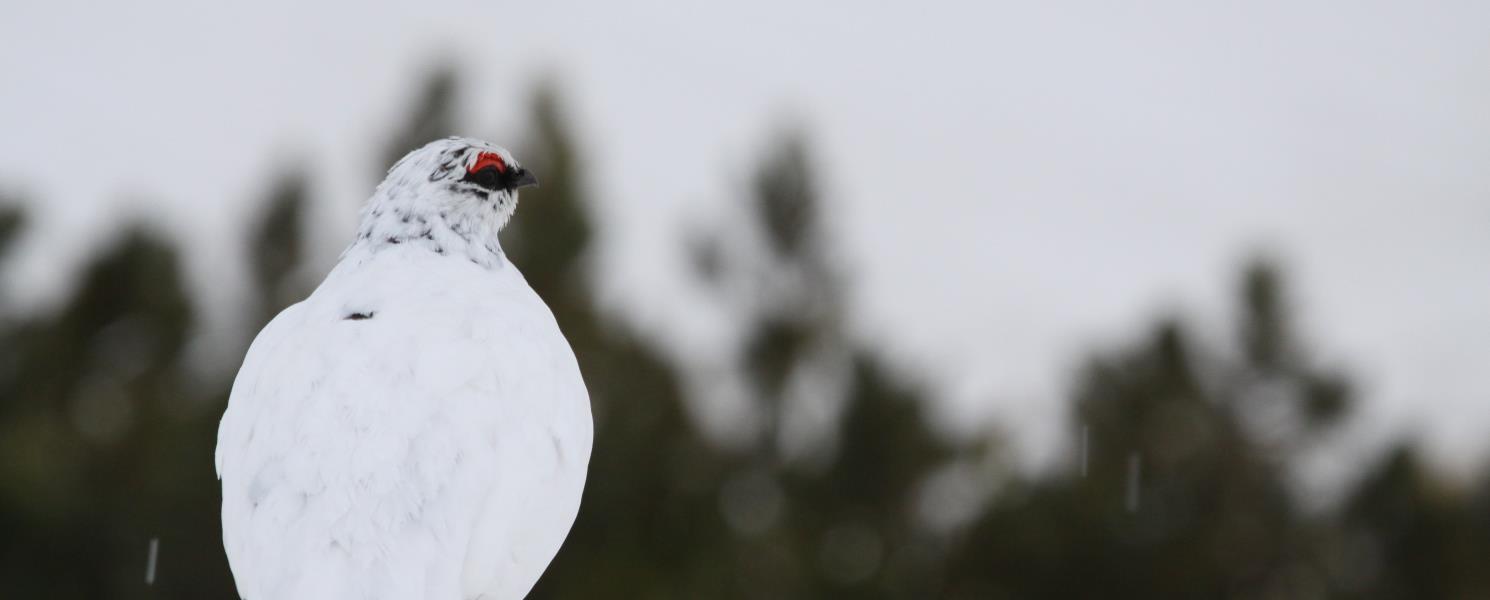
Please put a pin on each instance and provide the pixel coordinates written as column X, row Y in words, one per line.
column 418, row 426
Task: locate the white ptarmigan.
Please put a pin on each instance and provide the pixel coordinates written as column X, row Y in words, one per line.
column 417, row 427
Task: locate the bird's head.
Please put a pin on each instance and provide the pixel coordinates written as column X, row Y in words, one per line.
column 459, row 187
column 460, row 174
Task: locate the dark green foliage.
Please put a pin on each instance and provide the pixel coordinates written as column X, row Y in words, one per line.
column 786, row 198
column 1213, row 518
column 1264, row 326
column 276, row 243
column 667, row 514
column 855, row 519
column 1216, row 432
column 105, row 442
column 550, row 235
column 648, row 518
column 11, row 220
column 107, row 433
column 1406, row 534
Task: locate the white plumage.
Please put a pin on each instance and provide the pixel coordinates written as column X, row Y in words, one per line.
column 417, row 427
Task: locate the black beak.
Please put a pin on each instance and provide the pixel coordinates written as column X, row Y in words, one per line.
column 524, row 178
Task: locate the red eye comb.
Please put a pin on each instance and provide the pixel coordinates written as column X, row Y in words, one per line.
column 488, row 159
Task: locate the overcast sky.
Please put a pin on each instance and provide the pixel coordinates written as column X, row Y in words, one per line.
column 1011, row 183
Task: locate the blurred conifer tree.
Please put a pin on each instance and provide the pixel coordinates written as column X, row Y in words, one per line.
column 647, row 526
column 276, row 247
column 106, row 441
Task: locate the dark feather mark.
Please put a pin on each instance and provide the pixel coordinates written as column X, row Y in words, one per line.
column 394, row 240
column 357, row 316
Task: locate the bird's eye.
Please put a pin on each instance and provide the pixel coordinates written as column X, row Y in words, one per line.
column 486, row 177
column 487, row 171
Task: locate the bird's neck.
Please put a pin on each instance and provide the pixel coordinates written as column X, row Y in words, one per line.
column 394, row 223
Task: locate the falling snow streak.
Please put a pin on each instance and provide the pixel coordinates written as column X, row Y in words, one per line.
column 150, row 561
column 1135, row 467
